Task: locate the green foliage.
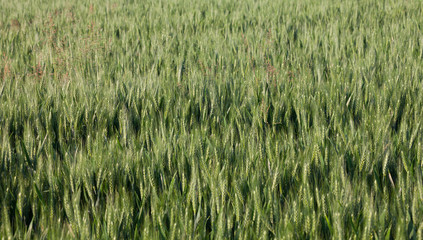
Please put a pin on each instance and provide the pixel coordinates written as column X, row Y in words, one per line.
column 211, row 119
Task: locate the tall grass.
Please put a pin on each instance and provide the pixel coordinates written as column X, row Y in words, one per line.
column 211, row 119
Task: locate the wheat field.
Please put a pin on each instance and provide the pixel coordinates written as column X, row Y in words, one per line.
column 191, row 119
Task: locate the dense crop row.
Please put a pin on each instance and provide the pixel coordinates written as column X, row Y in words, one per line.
column 211, row 119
